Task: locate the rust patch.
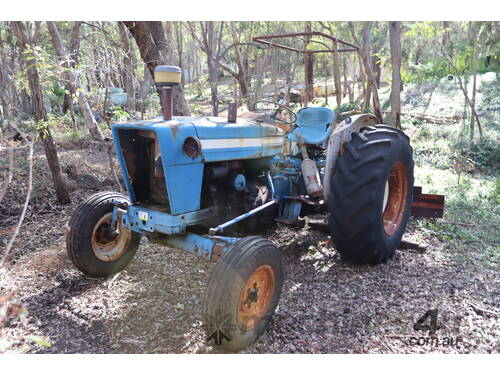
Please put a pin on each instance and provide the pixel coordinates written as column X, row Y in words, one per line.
column 396, row 201
column 426, row 205
column 217, row 251
column 256, row 297
column 192, row 147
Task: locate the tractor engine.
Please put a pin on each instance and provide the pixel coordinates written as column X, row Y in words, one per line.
column 235, row 187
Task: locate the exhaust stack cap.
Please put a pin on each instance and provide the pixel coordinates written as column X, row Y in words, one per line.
column 167, row 75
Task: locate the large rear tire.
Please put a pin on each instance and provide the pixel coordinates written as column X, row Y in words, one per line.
column 242, row 293
column 370, row 194
column 89, row 245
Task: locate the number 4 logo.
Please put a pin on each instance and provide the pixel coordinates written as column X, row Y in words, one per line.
column 432, row 327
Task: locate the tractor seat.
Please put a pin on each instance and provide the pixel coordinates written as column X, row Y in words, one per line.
column 315, row 125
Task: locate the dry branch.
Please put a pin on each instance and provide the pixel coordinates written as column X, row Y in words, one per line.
column 112, row 167
column 482, row 310
column 25, row 208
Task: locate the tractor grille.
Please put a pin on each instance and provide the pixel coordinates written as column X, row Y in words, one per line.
column 142, row 157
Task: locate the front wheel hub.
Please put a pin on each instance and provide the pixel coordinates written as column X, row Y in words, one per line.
column 109, row 245
column 256, row 297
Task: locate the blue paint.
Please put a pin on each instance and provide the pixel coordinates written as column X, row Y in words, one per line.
column 184, row 185
column 162, row 222
column 238, row 153
column 218, row 127
column 220, row 141
column 290, row 209
column 239, row 182
column 199, row 245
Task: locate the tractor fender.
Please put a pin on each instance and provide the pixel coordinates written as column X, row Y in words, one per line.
column 340, row 135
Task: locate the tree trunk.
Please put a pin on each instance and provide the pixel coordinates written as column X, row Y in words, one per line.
column 274, row 73
column 369, row 75
column 366, row 47
column 336, row 75
column 326, row 73
column 180, row 52
column 9, row 89
column 375, row 55
column 128, row 67
column 26, row 107
column 212, row 65
column 289, row 71
column 150, row 54
column 241, row 76
column 74, row 48
column 395, row 45
column 170, row 39
column 74, row 83
column 474, row 77
column 308, row 69
column 144, row 87
column 155, row 29
column 4, row 83
column 377, row 68
column 347, row 85
column 41, row 118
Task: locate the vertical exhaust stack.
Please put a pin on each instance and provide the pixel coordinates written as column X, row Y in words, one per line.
column 232, row 112
column 166, row 77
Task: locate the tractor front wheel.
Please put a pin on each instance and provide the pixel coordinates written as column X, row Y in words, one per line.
column 242, row 293
column 91, row 246
column 371, row 193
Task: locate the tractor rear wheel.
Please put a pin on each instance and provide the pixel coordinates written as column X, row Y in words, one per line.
column 89, row 243
column 242, row 293
column 371, row 193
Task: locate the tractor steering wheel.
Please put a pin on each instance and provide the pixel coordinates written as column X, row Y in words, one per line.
column 273, row 109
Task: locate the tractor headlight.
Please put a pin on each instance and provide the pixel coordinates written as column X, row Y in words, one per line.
column 192, row 147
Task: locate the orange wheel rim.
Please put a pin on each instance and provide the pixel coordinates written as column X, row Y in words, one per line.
column 256, row 297
column 396, row 199
column 105, row 248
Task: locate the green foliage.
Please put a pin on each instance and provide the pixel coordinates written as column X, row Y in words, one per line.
column 40, row 341
column 490, row 102
column 44, row 62
column 431, row 69
column 445, row 166
column 119, row 114
column 486, row 155
column 42, row 128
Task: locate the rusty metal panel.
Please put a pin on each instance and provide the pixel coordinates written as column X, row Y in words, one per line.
column 232, row 112
column 426, row 205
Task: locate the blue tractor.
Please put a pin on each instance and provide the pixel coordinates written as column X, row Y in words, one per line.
column 191, row 181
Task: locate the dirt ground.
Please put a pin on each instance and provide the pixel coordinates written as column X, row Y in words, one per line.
column 154, row 306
